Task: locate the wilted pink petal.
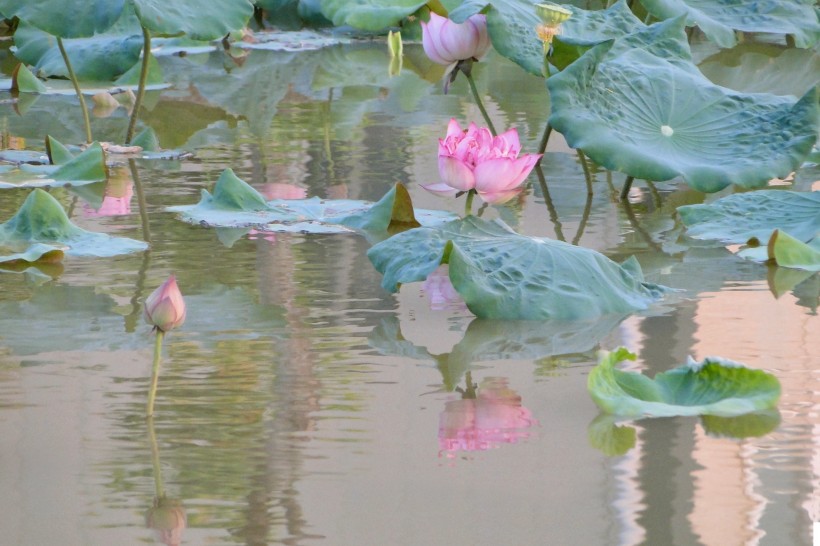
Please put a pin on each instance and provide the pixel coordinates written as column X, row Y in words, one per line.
column 165, row 307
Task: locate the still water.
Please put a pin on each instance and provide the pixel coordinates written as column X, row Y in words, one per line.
column 302, row 404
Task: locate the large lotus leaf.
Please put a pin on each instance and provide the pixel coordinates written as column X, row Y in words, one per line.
column 41, row 219
column 718, row 19
column 235, row 204
column 735, row 219
column 198, row 19
column 650, row 118
column 369, row 14
column 65, row 18
column 85, row 168
column 504, row 275
column 511, row 25
column 714, row 386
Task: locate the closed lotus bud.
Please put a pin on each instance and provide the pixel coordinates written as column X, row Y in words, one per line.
column 446, row 42
column 165, row 308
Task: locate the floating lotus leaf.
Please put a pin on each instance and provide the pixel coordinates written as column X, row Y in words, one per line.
column 504, row 275
column 41, row 219
column 714, row 386
column 735, row 219
column 37, row 252
column 719, row 19
column 235, row 204
column 198, row 19
column 65, row 18
column 511, row 25
column 651, row 118
column 369, row 14
column 84, row 168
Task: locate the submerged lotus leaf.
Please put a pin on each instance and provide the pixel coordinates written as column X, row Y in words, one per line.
column 504, row 275
column 735, row 219
column 84, row 168
column 714, row 386
column 41, row 219
column 65, row 18
column 719, row 19
column 198, row 19
column 235, row 204
column 371, row 15
column 511, row 25
column 652, row 118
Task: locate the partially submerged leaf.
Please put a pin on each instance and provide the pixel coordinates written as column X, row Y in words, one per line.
column 236, row 204
column 41, row 219
column 85, row 168
column 57, row 152
column 23, row 81
column 712, row 387
column 786, row 251
column 656, row 119
column 504, row 275
column 719, row 19
column 36, row 253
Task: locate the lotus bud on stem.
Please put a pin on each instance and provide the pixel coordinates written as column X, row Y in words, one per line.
column 165, row 310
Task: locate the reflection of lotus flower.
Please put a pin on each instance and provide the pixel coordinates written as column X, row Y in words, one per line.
column 165, row 308
column 446, row 42
column 118, row 194
column 476, row 160
column 440, row 291
column 493, row 418
column 278, row 190
column 167, row 519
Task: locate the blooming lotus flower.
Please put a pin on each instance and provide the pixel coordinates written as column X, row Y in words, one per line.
column 476, row 160
column 165, row 308
column 446, row 42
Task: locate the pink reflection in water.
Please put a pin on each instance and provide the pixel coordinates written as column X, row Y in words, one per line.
column 117, row 200
column 441, row 293
column 494, row 417
column 277, row 190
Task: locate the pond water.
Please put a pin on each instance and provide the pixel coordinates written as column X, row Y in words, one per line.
column 303, row 404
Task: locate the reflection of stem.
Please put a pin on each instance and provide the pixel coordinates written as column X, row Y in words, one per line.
column 584, row 219
column 630, row 214
column 152, row 393
column 468, row 205
column 72, row 206
column 627, row 186
column 152, row 436
column 146, row 56
column 131, row 320
column 135, row 176
column 542, row 146
column 587, row 175
column 477, row 98
column 559, row 230
column 73, row 77
column 656, row 196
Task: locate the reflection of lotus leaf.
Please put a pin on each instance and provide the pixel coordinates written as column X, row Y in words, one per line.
column 655, row 119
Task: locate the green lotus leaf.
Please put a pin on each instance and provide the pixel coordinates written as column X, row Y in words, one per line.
column 24, row 81
column 651, row 118
column 370, row 15
column 37, row 252
column 235, row 204
column 65, row 18
column 58, row 153
column 84, row 168
column 735, row 219
column 504, row 275
column 714, row 386
column 511, row 25
column 786, row 251
column 718, row 19
column 41, row 219
column 198, row 19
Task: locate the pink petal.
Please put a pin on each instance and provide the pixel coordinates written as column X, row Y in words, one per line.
column 440, row 189
column 454, row 129
column 455, row 173
column 510, row 143
column 430, row 42
column 503, row 173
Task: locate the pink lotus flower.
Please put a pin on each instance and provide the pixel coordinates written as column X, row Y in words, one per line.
column 493, row 418
column 165, row 308
column 475, row 160
column 446, row 42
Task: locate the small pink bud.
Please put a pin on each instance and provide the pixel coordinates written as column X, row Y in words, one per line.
column 165, row 308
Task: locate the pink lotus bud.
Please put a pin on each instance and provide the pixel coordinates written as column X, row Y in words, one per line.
column 446, row 42
column 165, row 308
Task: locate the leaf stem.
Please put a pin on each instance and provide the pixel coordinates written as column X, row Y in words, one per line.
column 152, row 393
column 480, row 104
column 542, row 146
column 587, row 175
column 73, row 77
column 146, row 56
column 468, row 205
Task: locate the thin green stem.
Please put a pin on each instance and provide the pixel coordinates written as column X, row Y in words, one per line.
column 542, row 146
column 73, row 77
column 587, row 175
column 152, row 393
column 480, row 104
column 468, row 205
column 159, row 487
column 146, row 56
column 556, row 222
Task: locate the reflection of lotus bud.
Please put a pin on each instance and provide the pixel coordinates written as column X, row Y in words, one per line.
column 165, row 308
column 167, row 519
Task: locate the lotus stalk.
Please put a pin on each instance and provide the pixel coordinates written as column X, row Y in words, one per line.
column 73, row 77
column 146, row 57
